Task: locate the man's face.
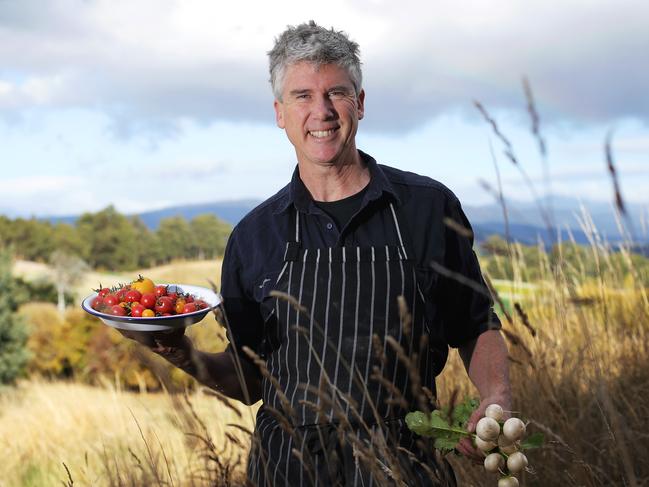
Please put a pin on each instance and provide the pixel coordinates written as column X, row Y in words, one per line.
column 320, row 112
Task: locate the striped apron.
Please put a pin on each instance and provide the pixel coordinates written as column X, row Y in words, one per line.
column 336, row 389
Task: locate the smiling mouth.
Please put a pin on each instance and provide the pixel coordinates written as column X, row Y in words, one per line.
column 321, row 134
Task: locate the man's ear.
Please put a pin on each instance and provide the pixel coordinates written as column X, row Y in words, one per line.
column 360, row 104
column 279, row 113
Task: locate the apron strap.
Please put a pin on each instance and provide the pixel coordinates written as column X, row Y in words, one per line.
column 293, row 243
column 405, row 247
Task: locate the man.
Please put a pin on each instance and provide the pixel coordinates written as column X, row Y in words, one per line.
column 343, row 293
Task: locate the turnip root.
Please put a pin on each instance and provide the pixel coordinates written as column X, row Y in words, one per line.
column 493, row 462
column 516, row 462
column 509, row 449
column 488, row 429
column 484, row 446
column 508, row 482
column 494, row 411
column 513, row 429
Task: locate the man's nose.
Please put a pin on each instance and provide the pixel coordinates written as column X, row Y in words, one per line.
column 324, row 108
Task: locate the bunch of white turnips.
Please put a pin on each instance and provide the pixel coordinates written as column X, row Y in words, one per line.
column 500, row 441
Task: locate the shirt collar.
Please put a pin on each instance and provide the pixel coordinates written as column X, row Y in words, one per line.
column 298, row 195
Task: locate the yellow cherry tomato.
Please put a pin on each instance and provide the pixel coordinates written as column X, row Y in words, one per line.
column 144, row 285
column 148, row 313
column 180, row 304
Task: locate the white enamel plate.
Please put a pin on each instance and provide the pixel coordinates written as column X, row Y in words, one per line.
column 160, row 323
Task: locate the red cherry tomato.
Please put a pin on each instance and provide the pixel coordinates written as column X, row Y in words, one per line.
column 173, row 296
column 117, row 310
column 133, row 296
column 189, row 308
column 200, row 304
column 160, row 291
column 103, row 292
column 137, row 309
column 164, row 304
column 148, row 300
column 111, row 300
column 121, row 294
column 97, row 303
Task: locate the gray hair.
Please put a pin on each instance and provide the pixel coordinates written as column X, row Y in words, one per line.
column 315, row 44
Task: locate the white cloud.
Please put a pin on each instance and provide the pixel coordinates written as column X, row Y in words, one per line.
column 33, row 185
column 150, row 63
column 5, row 88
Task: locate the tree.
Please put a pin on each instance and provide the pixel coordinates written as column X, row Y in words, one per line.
column 149, row 249
column 68, row 240
column 210, row 235
column 32, row 239
column 112, row 239
column 175, row 237
column 13, row 334
column 68, row 271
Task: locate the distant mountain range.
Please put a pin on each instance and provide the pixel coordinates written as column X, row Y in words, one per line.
column 229, row 211
column 574, row 219
column 526, row 223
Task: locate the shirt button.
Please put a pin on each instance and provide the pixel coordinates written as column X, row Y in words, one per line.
column 330, row 226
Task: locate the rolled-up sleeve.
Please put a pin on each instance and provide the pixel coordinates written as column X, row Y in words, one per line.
column 244, row 320
column 465, row 304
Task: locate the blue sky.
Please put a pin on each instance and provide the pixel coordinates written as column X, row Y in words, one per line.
column 145, row 104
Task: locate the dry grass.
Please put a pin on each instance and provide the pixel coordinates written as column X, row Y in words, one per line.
column 583, row 380
column 106, row 436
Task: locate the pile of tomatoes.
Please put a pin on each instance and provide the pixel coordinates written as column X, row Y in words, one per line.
column 143, row 299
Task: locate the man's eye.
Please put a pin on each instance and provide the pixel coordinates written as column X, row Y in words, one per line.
column 302, row 97
column 337, row 94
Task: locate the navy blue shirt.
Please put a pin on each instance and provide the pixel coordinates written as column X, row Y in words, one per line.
column 457, row 302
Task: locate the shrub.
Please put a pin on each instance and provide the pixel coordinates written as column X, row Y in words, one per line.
column 13, row 335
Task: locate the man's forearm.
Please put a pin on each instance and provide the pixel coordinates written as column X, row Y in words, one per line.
column 486, row 362
column 219, row 371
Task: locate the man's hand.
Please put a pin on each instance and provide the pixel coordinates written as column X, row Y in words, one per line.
column 466, row 445
column 157, row 340
column 486, row 362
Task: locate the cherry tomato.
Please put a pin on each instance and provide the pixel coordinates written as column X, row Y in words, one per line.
column 133, row 296
column 97, row 303
column 173, row 296
column 137, row 309
column 111, row 300
column 163, row 304
column 117, row 310
column 189, row 298
column 201, row 304
column 148, row 313
column 103, row 292
column 180, row 304
column 160, row 291
column 144, row 285
column 189, row 308
column 121, row 294
column 148, row 300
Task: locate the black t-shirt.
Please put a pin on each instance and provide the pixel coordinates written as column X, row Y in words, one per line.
column 342, row 211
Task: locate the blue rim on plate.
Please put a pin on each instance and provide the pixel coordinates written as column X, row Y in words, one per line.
column 159, row 323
